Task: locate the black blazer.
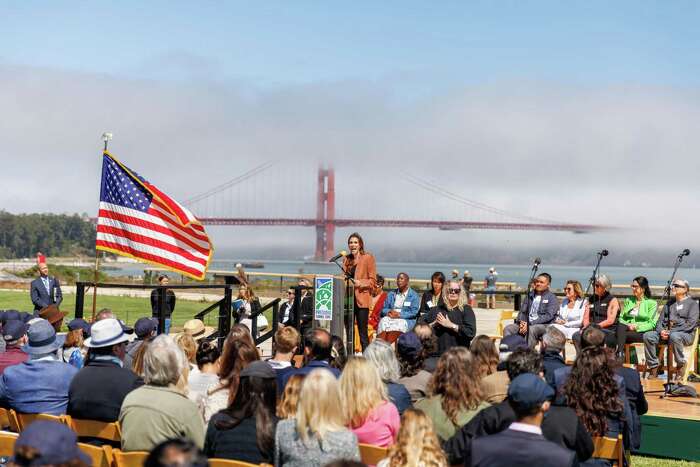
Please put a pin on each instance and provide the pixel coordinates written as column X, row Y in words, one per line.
column 448, row 338
column 306, row 304
column 169, row 303
column 561, row 426
column 98, row 390
column 282, row 311
column 512, row 448
column 424, row 299
column 41, row 298
column 637, row 403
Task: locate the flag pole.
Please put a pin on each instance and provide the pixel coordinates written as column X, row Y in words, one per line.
column 106, row 137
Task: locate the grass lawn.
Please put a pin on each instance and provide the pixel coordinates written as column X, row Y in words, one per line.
column 128, row 309
column 642, row 461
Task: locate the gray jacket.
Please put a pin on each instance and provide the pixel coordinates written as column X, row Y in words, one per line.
column 546, row 313
column 290, row 450
column 684, row 315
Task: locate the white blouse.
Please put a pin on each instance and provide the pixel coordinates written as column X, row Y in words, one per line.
column 572, row 316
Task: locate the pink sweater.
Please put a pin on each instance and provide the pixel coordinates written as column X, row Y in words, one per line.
column 381, row 426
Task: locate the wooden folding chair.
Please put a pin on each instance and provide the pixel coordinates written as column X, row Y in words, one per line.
column 229, row 463
column 506, row 316
column 691, row 358
column 371, row 455
column 101, row 456
column 7, row 444
column 609, row 448
column 109, row 431
column 4, row 419
column 26, row 419
column 129, row 459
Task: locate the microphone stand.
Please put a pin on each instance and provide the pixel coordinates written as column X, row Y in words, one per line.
column 594, row 276
column 535, row 267
column 667, row 291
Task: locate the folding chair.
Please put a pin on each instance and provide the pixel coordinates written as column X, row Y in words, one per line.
column 609, row 448
column 371, row 455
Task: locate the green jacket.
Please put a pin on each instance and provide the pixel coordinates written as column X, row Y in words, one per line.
column 647, row 317
column 444, row 428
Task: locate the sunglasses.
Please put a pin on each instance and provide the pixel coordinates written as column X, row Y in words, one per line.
column 678, row 286
column 454, row 290
column 568, row 289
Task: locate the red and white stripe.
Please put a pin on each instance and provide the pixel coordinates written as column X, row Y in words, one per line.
column 157, row 236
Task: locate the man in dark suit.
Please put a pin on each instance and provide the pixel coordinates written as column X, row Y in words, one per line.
column 286, row 312
column 561, row 425
column 553, row 343
column 306, row 307
column 523, row 444
column 45, row 290
column 539, row 309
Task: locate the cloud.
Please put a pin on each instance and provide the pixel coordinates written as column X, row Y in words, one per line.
column 618, row 155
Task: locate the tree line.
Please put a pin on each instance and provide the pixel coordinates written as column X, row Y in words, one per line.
column 22, row 235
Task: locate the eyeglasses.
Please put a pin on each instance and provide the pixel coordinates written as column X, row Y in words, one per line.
column 290, row 293
column 568, row 289
column 634, row 286
column 454, row 290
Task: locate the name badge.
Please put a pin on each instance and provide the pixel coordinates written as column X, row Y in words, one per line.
column 430, row 303
column 679, row 307
column 545, row 301
column 602, row 305
column 406, row 303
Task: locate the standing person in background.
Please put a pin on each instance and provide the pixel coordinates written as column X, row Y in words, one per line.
column 45, row 290
column 638, row 314
column 467, row 280
column 676, row 324
column 306, row 306
column 432, row 297
column 163, row 281
column 361, row 267
column 245, row 304
column 286, row 313
column 490, row 288
column 539, row 309
column 400, row 310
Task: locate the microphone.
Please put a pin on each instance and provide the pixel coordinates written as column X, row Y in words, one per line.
column 603, row 252
column 538, row 261
column 686, row 252
column 338, row 256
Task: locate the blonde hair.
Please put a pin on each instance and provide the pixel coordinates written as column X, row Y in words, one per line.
column 463, row 299
column 416, row 444
column 362, row 389
column 287, row 405
column 578, row 290
column 188, row 345
column 319, row 410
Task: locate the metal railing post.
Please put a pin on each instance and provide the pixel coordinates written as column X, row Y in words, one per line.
column 79, row 299
column 224, row 317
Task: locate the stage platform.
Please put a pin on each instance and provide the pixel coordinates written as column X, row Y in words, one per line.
column 671, row 427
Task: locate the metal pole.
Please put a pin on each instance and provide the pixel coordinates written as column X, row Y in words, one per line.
column 94, row 286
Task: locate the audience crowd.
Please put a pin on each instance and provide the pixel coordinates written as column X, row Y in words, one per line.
column 427, row 386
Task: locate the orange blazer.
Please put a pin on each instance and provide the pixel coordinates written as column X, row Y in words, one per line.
column 365, row 277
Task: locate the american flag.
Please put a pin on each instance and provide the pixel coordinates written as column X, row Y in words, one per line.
column 138, row 220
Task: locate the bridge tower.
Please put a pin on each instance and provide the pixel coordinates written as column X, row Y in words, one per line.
column 325, row 214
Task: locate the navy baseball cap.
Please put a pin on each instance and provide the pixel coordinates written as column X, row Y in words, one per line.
column 80, row 323
column 13, row 330
column 56, row 443
column 409, row 345
column 512, row 343
column 145, row 326
column 10, row 315
column 529, row 390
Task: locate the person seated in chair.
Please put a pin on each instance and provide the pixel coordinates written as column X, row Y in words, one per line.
column 400, row 310
column 539, row 309
column 453, row 321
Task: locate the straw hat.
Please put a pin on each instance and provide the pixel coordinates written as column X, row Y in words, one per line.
column 197, row 329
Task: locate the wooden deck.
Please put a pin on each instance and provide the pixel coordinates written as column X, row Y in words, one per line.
column 672, row 407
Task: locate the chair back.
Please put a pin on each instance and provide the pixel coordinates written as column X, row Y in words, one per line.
column 506, row 317
column 7, row 444
column 4, row 419
column 110, row 431
column 371, row 455
column 609, row 448
column 691, row 359
column 229, row 463
column 129, row 459
column 101, row 456
column 26, row 419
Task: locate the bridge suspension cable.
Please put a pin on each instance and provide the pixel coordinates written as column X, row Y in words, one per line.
column 234, row 181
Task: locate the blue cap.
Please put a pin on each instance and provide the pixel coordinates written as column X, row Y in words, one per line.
column 512, row 343
column 80, row 323
column 25, row 316
column 529, row 390
column 56, row 443
column 409, row 345
column 10, row 315
column 13, row 330
column 145, row 326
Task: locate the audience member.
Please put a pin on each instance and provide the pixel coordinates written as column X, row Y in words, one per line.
column 430, row 346
column 539, row 309
column 553, row 343
column 494, row 383
column 287, row 405
column 98, row 390
column 72, row 349
column 381, row 355
column 433, row 296
column 455, row 393
column 206, row 373
column 376, row 305
column 400, row 310
column 245, row 430
column 80, row 323
column 339, row 355
column 522, row 443
column 197, row 329
column 416, row 444
column 189, row 347
column 14, row 335
column 561, row 425
column 453, row 321
column 158, row 410
column 317, row 435
column 410, row 355
column 286, row 343
column 571, row 311
column 176, row 452
column 676, row 325
column 40, row 384
column 317, row 354
column 238, row 353
column 48, row 443
column 145, row 329
column 366, row 406
column 638, row 314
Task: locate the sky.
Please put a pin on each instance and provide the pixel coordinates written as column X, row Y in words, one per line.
column 574, row 111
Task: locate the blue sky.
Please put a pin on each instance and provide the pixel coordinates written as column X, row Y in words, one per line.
column 414, row 46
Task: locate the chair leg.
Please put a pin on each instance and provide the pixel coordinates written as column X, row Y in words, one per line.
column 669, row 362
